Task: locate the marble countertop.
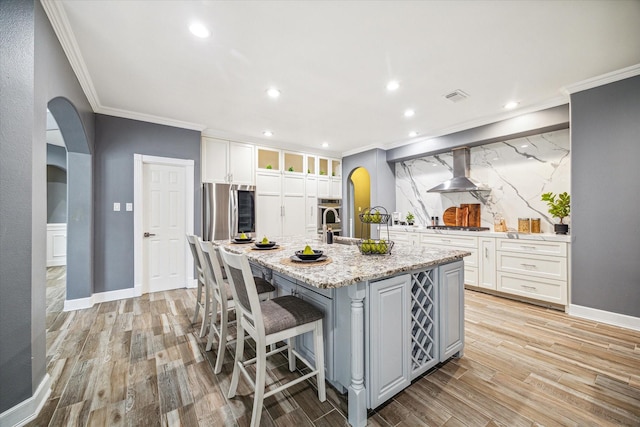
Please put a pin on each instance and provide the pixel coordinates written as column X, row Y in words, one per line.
column 348, row 265
column 503, row 235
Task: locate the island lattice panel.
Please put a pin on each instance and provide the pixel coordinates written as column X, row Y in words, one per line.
column 424, row 352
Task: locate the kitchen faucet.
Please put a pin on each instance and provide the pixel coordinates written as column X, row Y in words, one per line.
column 324, row 222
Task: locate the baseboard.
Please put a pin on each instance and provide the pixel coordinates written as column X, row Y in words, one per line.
column 607, row 317
column 28, row 409
column 192, row 283
column 82, row 303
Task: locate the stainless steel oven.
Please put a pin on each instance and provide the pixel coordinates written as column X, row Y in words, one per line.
column 332, row 220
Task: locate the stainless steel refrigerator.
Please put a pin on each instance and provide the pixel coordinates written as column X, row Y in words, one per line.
column 228, row 210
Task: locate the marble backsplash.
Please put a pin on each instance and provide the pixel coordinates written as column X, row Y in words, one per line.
column 518, row 171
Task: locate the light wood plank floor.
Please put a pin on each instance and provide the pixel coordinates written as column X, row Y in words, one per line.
column 139, row 362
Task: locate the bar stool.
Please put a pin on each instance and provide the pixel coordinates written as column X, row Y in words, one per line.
column 222, row 297
column 269, row 322
column 202, row 301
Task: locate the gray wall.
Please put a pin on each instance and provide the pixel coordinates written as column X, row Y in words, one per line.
column 33, row 70
column 56, row 184
column 117, row 140
column 605, row 200
column 382, row 175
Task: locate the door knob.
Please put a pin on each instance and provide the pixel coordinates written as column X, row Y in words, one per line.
column 147, row 234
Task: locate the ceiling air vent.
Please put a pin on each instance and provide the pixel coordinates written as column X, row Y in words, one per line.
column 456, row 96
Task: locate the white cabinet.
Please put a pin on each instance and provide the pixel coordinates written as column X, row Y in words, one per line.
column 311, row 205
column 293, row 201
column 463, row 243
column 269, row 208
column 487, row 262
column 451, row 309
column 533, row 269
column 226, row 161
column 404, row 238
column 389, row 344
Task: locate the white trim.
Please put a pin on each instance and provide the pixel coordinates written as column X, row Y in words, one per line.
column 62, row 28
column 28, row 409
column 138, row 200
column 78, row 303
column 607, row 317
column 126, row 114
column 603, row 79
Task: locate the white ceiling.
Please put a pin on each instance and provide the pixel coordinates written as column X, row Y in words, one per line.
column 332, row 59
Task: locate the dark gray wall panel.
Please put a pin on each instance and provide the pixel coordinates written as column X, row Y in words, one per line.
column 16, row 157
column 605, row 148
column 382, row 175
column 56, row 195
column 117, row 140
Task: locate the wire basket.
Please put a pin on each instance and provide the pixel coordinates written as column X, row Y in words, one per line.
column 375, row 247
column 375, row 215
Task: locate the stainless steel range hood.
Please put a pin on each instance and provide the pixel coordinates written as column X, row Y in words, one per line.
column 461, row 180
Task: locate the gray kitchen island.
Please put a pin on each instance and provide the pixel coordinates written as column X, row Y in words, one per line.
column 388, row 318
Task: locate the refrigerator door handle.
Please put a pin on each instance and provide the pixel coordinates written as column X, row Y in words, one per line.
column 207, row 221
column 233, row 214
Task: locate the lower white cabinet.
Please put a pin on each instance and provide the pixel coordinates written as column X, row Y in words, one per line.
column 487, row 262
column 389, row 344
column 451, row 304
column 463, row 243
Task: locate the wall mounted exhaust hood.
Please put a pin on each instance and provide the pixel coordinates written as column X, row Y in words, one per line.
column 461, row 180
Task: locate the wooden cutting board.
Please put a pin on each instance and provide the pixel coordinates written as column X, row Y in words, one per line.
column 449, row 216
column 474, row 213
column 462, row 216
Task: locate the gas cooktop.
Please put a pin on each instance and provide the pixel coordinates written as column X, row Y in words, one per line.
column 456, row 227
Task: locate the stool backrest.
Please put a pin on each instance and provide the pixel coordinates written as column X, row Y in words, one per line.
column 196, row 252
column 243, row 286
column 213, row 271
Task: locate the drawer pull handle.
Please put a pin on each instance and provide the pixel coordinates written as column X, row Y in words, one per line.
column 532, row 248
column 445, row 240
column 528, row 265
column 533, row 288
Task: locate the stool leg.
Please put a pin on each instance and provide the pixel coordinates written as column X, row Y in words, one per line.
column 238, row 359
column 212, row 324
column 222, row 345
column 319, row 349
column 292, row 357
column 206, row 312
column 261, row 372
column 198, row 296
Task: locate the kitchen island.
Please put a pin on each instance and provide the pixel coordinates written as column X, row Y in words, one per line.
column 388, row 318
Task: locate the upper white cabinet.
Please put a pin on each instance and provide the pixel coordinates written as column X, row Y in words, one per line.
column 226, row 161
column 329, row 178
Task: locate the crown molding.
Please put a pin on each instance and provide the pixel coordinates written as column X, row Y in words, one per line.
column 125, row 114
column 60, row 23
column 603, row 79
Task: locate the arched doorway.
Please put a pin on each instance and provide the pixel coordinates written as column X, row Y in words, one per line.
column 359, row 199
column 79, row 271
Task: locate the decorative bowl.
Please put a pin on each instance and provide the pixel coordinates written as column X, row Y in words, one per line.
column 265, row 245
column 316, row 254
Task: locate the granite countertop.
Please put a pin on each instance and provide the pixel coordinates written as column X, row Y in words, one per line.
column 503, row 235
column 348, row 265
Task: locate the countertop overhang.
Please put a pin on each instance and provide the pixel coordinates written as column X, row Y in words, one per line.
column 348, row 265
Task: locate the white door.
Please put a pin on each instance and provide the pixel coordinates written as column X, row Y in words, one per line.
column 164, row 227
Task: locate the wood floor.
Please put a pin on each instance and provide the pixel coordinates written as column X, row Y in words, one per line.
column 139, row 362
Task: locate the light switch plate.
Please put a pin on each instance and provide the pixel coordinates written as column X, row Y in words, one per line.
column 116, row 207
column 129, row 207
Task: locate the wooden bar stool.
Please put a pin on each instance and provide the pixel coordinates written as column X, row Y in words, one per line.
column 269, row 322
column 222, row 298
column 202, row 301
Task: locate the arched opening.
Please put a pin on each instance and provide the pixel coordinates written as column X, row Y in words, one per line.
column 359, row 199
column 79, row 197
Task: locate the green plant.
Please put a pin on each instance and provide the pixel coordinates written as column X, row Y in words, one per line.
column 269, row 167
column 323, row 172
column 410, row 217
column 290, row 168
column 560, row 207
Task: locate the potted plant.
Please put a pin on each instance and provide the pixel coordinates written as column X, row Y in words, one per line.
column 410, row 218
column 559, row 207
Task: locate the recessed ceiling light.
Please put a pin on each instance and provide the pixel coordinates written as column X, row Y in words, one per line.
column 267, row 133
column 413, row 133
column 524, row 146
column 393, row 85
column 199, row 30
column 273, row 92
column 325, row 144
column 409, row 113
column 511, row 105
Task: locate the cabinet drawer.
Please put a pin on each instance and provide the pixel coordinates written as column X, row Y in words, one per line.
column 446, row 239
column 399, row 236
column 542, row 289
column 533, row 265
column 532, row 247
column 471, row 260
